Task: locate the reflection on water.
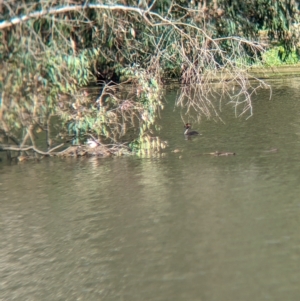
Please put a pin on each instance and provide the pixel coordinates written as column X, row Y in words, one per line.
column 195, row 228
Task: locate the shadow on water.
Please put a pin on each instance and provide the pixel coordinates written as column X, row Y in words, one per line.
column 185, row 226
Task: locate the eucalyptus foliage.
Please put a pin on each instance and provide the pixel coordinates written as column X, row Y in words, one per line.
column 51, row 50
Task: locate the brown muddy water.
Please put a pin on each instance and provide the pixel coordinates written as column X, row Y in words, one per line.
column 164, row 228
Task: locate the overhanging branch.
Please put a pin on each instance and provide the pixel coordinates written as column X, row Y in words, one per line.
column 64, row 9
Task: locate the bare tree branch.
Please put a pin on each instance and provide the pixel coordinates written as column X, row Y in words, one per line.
column 64, row 9
column 23, row 149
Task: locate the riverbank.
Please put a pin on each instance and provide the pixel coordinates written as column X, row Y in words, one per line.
column 256, row 72
column 275, row 72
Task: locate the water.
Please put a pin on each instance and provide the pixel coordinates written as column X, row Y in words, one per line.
column 192, row 228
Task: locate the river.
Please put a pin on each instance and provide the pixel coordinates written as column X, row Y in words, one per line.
column 180, row 226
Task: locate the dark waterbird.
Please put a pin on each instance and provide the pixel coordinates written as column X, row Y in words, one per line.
column 188, row 131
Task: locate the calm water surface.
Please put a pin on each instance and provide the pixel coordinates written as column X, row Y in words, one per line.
column 163, row 229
